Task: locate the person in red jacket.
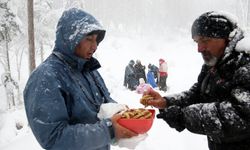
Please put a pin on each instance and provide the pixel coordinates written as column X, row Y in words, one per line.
column 163, row 74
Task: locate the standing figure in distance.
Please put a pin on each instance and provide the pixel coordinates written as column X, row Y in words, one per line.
column 130, row 80
column 140, row 71
column 151, row 77
column 155, row 70
column 163, row 75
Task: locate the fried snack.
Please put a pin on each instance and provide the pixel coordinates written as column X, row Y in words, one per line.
column 144, row 100
column 140, row 113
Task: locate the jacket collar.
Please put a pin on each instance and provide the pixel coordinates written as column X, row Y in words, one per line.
column 78, row 63
column 235, row 37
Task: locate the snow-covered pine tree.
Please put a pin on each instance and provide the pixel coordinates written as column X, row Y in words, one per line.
column 8, row 30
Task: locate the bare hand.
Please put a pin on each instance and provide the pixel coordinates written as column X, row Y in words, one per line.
column 120, row 131
column 155, row 100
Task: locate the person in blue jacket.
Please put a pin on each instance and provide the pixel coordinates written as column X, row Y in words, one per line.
column 63, row 95
column 151, row 77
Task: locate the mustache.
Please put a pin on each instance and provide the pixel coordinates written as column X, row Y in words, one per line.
column 205, row 52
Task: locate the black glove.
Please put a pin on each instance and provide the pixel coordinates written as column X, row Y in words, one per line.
column 173, row 116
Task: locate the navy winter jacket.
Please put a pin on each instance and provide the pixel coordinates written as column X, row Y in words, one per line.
column 63, row 95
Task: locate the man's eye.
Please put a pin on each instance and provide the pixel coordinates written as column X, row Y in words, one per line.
column 89, row 38
column 204, row 40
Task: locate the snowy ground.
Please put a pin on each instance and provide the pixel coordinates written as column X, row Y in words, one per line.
column 114, row 54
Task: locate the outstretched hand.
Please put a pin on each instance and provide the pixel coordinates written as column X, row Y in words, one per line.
column 120, row 131
column 153, row 98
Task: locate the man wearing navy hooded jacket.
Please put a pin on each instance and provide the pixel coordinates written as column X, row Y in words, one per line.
column 63, row 95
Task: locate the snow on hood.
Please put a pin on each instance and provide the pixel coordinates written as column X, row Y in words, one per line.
column 239, row 39
column 72, row 27
column 244, row 44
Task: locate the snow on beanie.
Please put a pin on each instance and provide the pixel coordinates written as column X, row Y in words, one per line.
column 214, row 25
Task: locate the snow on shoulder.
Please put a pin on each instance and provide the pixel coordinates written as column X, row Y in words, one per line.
column 244, row 44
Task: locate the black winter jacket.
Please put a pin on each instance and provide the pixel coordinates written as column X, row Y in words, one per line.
column 218, row 105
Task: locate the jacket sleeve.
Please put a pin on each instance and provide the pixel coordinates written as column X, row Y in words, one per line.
column 222, row 119
column 173, row 114
column 48, row 117
column 184, row 98
column 225, row 118
column 190, row 96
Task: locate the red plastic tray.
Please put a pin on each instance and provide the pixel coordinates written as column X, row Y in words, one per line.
column 139, row 126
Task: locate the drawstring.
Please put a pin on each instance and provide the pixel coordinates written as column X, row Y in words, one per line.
column 77, row 81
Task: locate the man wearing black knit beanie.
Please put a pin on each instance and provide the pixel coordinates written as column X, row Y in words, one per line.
column 218, row 104
column 212, row 29
column 212, row 25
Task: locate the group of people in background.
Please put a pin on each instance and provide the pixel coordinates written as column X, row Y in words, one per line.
column 135, row 76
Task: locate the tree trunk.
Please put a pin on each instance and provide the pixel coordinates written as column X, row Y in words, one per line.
column 32, row 62
column 8, row 89
column 248, row 14
column 18, row 65
column 7, row 49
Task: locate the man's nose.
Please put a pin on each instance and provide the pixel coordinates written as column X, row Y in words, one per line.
column 201, row 48
column 94, row 45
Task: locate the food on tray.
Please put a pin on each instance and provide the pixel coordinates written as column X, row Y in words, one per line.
column 140, row 113
column 144, row 100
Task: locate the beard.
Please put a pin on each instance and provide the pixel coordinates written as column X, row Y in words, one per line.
column 209, row 59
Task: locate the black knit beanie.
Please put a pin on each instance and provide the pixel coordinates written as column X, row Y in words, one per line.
column 212, row 25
